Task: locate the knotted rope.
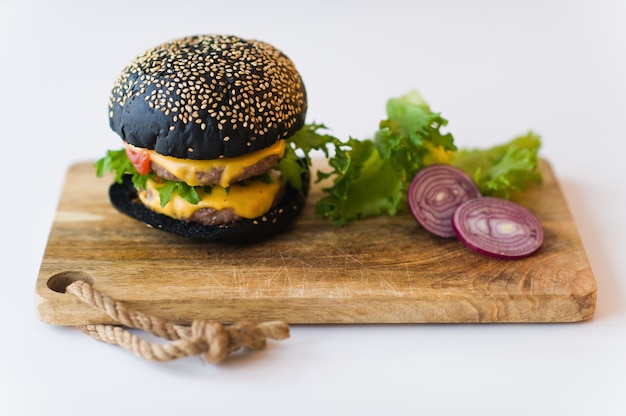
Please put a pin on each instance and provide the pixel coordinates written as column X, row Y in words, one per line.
column 214, row 340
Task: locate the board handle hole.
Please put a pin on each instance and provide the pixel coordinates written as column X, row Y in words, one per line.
column 60, row 281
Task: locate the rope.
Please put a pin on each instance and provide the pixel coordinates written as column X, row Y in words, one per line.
column 214, row 340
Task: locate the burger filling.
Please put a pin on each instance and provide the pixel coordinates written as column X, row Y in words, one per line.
column 248, row 199
column 223, row 172
column 180, row 188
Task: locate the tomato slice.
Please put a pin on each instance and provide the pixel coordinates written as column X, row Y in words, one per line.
column 140, row 158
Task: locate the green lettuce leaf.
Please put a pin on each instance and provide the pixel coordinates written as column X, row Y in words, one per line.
column 115, row 161
column 365, row 184
column 300, row 146
column 503, row 169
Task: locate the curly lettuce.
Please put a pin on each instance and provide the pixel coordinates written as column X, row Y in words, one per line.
column 503, row 169
column 371, row 177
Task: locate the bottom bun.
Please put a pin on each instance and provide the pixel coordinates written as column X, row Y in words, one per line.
column 124, row 198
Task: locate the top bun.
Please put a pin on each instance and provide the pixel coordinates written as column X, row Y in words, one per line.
column 208, row 97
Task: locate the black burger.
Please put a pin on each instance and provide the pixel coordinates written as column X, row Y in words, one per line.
column 207, row 124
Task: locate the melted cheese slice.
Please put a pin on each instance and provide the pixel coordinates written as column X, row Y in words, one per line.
column 249, row 200
column 186, row 169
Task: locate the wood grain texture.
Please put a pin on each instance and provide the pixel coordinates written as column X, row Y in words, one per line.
column 380, row 270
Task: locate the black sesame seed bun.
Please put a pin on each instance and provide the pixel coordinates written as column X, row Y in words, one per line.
column 207, row 97
column 204, row 98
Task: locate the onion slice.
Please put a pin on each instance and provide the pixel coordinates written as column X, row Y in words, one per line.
column 498, row 228
column 434, row 194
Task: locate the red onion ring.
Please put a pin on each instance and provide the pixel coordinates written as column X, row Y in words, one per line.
column 434, row 194
column 497, row 228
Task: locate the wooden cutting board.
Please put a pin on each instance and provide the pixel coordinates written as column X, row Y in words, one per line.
column 380, row 270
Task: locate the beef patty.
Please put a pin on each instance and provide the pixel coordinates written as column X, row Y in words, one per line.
column 214, row 176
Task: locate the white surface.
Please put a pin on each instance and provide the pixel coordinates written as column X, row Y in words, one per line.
column 494, row 69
